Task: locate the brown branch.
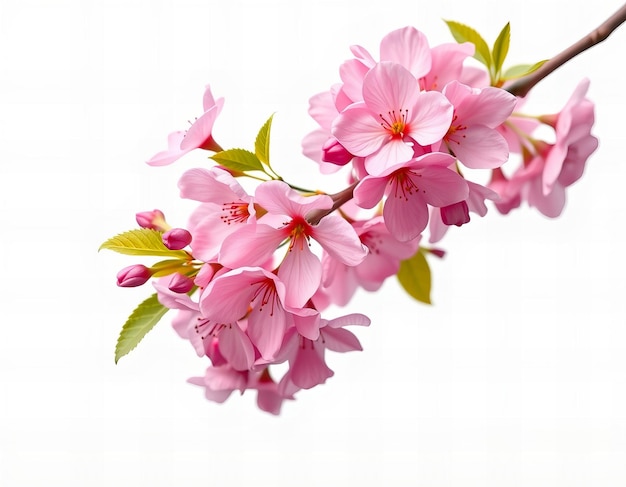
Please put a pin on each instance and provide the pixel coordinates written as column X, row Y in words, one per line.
column 522, row 86
column 339, row 199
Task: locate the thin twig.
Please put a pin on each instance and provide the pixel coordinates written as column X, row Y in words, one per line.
column 524, row 85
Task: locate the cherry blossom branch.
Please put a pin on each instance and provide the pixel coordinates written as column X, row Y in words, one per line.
column 339, row 199
column 524, row 85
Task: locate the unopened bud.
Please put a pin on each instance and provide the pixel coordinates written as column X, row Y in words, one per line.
column 176, row 238
column 133, row 276
column 155, row 220
column 456, row 214
column 437, row 252
column 180, row 283
column 335, row 153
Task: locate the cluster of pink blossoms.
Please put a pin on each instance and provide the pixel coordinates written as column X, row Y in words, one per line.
column 264, row 266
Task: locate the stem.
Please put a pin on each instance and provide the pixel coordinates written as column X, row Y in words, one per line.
column 339, row 199
column 522, row 86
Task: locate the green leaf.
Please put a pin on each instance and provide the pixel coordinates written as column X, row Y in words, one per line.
column 238, row 160
column 521, row 70
column 142, row 241
column 464, row 33
column 140, row 322
column 414, row 276
column 262, row 142
column 501, row 48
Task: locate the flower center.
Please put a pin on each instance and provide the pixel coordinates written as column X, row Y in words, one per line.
column 395, row 122
column 405, row 184
column 299, row 233
column 265, row 295
column 453, row 134
column 235, row 212
column 207, row 328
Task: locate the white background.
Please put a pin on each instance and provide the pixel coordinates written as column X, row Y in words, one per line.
column 516, row 375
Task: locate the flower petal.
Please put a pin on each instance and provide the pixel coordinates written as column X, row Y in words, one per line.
column 359, row 132
column 301, row 271
column 338, row 238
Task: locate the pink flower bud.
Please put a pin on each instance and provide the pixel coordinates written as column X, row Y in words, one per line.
column 176, row 238
column 335, row 153
column 154, row 220
column 180, row 283
column 133, row 276
column 456, row 214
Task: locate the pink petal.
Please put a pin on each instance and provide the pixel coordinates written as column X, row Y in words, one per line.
column 173, row 152
column 370, row 191
column 340, row 340
column 447, row 64
column 479, row 147
column 309, row 368
column 266, row 328
column 200, row 131
column 236, row 347
column 307, row 323
column 389, row 87
column 227, row 297
column 210, row 186
column 356, row 319
column 278, row 198
column 430, row 117
column 338, row 238
column 208, row 101
column 250, row 245
column 442, row 187
column 395, row 151
column 359, row 132
column 301, row 271
column 352, row 73
column 405, row 217
column 408, row 47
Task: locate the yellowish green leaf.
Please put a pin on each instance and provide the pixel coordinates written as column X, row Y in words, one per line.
column 262, row 142
column 238, row 160
column 142, row 241
column 464, row 33
column 501, row 48
column 414, row 276
column 140, row 322
column 521, row 70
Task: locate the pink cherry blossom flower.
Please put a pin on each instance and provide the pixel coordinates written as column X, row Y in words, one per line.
column 472, row 137
column 226, row 341
column 226, row 206
column 300, row 269
column 393, row 117
column 410, row 187
column 199, row 135
column 382, row 261
column 307, row 365
column 255, row 294
column 572, row 124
